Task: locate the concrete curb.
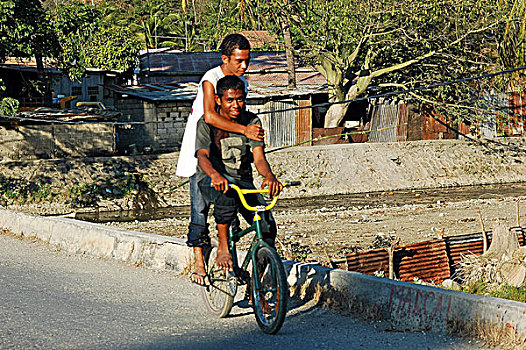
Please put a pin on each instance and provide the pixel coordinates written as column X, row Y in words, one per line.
column 406, row 305
column 410, row 306
column 79, row 237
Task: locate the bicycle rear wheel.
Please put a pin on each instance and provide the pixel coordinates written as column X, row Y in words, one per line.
column 219, row 295
column 271, row 299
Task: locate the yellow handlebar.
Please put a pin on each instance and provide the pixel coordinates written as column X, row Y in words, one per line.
column 259, row 208
column 242, row 192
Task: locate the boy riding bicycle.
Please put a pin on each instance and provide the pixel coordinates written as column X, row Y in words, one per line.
column 225, row 158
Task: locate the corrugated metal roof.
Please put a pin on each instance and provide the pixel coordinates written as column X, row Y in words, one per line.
column 158, row 92
column 187, row 91
column 267, row 68
column 29, row 64
column 71, row 114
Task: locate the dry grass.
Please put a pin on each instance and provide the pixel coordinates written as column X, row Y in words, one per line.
column 501, row 336
column 30, row 239
column 476, row 268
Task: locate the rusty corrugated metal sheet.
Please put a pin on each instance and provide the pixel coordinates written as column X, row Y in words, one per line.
column 322, row 132
column 304, row 123
column 368, row 262
column 521, row 235
column 429, row 261
column 401, row 130
column 515, row 126
column 190, row 67
column 460, row 245
column 434, row 128
column 426, row 261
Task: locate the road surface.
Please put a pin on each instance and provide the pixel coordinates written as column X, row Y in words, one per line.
column 53, row 300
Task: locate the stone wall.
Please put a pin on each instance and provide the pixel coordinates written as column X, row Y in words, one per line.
column 56, row 140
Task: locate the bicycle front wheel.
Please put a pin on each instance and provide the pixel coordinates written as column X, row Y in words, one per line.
column 219, row 295
column 270, row 300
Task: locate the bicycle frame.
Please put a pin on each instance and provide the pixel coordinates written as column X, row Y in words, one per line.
column 257, row 241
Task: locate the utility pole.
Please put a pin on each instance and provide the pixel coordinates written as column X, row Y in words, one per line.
column 186, row 36
column 155, row 28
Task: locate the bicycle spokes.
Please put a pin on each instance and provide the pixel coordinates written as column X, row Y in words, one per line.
column 219, row 296
column 270, row 291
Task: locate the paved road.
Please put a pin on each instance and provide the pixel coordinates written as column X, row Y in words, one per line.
column 52, row 300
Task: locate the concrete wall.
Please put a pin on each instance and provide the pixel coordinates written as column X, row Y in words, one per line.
column 56, row 141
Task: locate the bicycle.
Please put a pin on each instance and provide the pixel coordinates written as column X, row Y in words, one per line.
column 267, row 284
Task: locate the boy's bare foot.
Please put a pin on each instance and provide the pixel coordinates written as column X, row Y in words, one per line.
column 199, row 275
column 224, row 260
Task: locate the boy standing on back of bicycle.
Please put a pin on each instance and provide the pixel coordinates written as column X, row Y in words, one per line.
column 225, row 157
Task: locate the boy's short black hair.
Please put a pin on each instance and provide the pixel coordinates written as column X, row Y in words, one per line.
column 229, row 82
column 232, row 42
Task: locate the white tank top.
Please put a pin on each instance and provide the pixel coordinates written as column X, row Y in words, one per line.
column 187, row 162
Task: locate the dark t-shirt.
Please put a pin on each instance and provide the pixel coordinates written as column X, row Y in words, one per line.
column 230, row 153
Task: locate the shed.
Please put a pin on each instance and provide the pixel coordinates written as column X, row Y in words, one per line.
column 19, row 73
column 158, row 112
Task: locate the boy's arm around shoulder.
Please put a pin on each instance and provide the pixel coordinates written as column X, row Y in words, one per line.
column 263, row 168
column 253, row 132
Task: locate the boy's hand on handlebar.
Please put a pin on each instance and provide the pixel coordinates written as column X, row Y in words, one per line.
column 274, row 186
column 219, row 182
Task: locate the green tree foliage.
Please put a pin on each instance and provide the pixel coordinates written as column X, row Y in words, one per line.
column 25, row 32
column 87, row 39
column 6, row 11
column 72, row 33
column 152, row 22
column 23, row 29
column 512, row 44
column 8, row 106
column 394, row 44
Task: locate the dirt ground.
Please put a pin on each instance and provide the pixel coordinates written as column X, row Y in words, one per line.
column 318, row 229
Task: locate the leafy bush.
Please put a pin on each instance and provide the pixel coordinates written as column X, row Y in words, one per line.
column 9, row 106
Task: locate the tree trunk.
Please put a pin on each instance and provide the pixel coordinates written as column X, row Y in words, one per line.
column 43, row 81
column 289, row 52
column 337, row 112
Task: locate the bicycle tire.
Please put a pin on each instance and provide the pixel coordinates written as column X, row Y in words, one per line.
column 219, row 296
column 271, row 300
